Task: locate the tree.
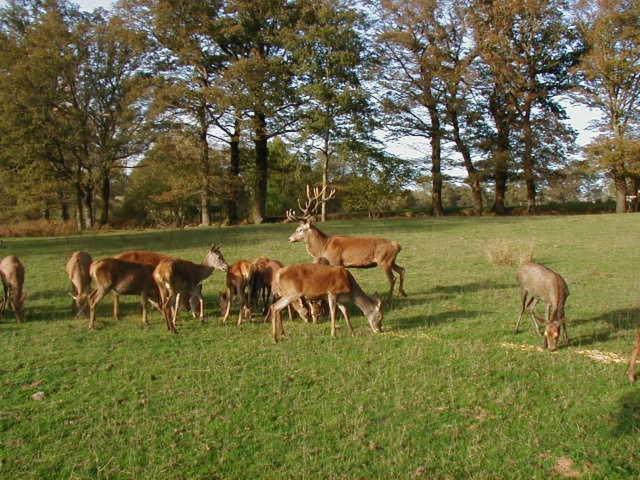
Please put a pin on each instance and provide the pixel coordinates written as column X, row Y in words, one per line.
column 332, row 58
column 409, row 39
column 610, row 83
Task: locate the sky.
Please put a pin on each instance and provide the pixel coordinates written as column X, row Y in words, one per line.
column 579, row 116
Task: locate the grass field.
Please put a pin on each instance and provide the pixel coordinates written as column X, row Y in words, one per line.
column 444, row 393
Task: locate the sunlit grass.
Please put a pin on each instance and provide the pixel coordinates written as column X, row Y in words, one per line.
column 436, row 396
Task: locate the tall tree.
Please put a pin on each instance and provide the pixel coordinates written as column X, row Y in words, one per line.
column 409, row 40
column 610, row 83
column 332, row 58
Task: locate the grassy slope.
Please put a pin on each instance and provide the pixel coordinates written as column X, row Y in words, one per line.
column 436, row 395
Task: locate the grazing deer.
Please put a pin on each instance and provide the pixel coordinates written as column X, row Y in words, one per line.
column 12, row 275
column 77, row 269
column 262, row 287
column 176, row 278
column 538, row 282
column 154, row 258
column 631, row 372
column 123, row 278
column 238, row 279
column 353, row 252
column 314, row 281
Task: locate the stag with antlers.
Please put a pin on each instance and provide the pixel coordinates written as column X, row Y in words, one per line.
column 353, row 252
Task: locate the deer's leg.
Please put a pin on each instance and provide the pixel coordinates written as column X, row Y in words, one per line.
column 144, row 308
column 201, row 309
column 631, row 372
column 345, row 313
column 116, row 306
column 400, row 271
column 94, row 299
column 228, row 310
column 535, row 320
column 332, row 312
column 524, row 307
column 274, row 312
column 243, row 305
column 391, row 278
column 176, row 309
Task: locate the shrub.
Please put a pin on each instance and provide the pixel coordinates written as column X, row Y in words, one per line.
column 38, row 228
column 504, row 252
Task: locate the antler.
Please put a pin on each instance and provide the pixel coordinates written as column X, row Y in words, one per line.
column 314, row 196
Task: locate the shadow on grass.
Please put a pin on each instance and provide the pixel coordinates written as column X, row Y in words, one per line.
column 628, row 416
column 470, row 287
column 418, row 321
column 595, row 337
column 621, row 319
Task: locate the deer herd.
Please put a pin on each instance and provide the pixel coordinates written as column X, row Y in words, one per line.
column 169, row 283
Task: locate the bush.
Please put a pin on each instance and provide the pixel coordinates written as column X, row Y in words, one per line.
column 504, row 252
column 38, row 228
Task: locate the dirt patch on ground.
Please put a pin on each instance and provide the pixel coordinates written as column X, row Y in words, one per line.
column 596, row 355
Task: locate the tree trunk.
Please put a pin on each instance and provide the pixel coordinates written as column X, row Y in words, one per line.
column 90, row 219
column 621, row 191
column 64, row 207
column 528, row 165
column 473, row 176
column 501, row 154
column 635, row 185
column 205, row 186
column 262, row 169
column 234, row 172
column 105, row 194
column 325, row 179
column 79, row 209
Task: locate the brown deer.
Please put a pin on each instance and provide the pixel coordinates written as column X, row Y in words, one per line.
column 123, row 278
column 334, row 283
column 261, row 287
column 154, row 258
column 77, row 269
column 12, row 275
column 631, row 372
column 353, row 252
column 238, row 280
column 177, row 278
column 538, row 282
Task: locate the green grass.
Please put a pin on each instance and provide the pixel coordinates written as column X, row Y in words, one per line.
column 436, row 396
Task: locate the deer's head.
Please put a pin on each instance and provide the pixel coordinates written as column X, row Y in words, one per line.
column 215, row 259
column 315, row 197
column 552, row 335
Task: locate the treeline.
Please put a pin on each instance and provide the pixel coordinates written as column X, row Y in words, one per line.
column 163, row 111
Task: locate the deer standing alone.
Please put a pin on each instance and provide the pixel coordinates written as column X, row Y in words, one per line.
column 346, row 251
column 334, row 283
column 123, row 278
column 176, row 278
column 538, row 282
column 77, row 269
column 12, row 275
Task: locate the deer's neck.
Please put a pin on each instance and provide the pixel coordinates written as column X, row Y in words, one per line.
column 363, row 301
column 202, row 273
column 316, row 242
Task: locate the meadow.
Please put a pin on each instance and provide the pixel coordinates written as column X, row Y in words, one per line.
column 448, row 391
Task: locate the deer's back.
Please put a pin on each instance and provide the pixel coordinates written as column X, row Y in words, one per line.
column 142, row 256
column 360, row 252
column 542, row 282
column 127, row 278
column 78, row 267
column 12, row 271
column 312, row 280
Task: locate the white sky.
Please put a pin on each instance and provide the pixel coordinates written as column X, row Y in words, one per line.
column 579, row 116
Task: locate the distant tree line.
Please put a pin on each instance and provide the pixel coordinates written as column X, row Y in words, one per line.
column 162, row 111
